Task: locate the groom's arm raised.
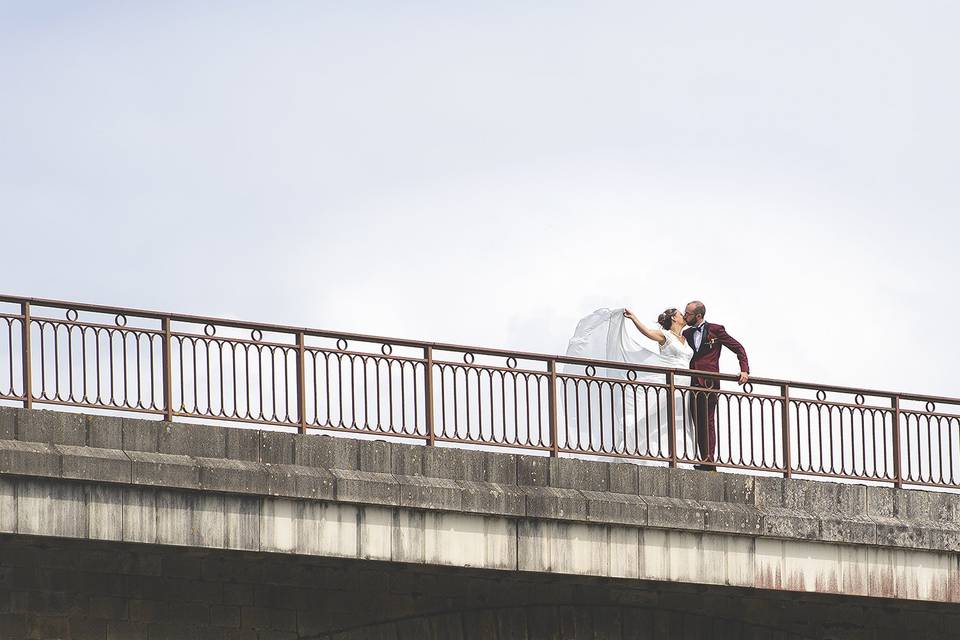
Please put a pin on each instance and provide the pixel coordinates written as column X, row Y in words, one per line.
column 730, row 343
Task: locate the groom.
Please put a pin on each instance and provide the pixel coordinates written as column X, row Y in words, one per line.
column 705, row 339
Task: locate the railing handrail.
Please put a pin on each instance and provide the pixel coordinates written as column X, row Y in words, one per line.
column 442, row 346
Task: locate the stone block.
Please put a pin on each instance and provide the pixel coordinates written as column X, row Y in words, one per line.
column 570, row 473
column 916, row 534
column 768, row 491
column 29, row 459
column 732, row 518
column 104, row 511
column 781, row 522
column 429, row 493
column 327, row 452
column 912, row 503
column 140, row 435
column 54, row 427
column 557, row 504
column 624, row 477
column 501, row 467
column 488, row 497
column 407, row 459
column 8, row 423
column 243, row 444
column 314, row 483
column 198, row 440
column 232, row 476
column 89, row 463
column 850, row 529
column 533, row 471
column 166, row 470
column 739, row 488
column 944, row 507
column 696, row 485
column 880, row 501
column 455, row 464
column 50, row 508
column 139, row 515
column 818, row 497
column 104, row 432
column 620, row 508
column 281, row 479
column 366, row 487
column 674, row 513
column 376, row 456
column 8, row 505
column 654, row 481
column 276, row 447
column 175, row 517
column 241, row 523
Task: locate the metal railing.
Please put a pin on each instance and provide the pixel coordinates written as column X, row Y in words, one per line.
column 179, row 366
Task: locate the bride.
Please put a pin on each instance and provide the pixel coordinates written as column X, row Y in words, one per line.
column 639, row 413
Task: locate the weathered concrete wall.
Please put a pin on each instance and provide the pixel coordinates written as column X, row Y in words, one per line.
column 134, row 481
column 82, row 590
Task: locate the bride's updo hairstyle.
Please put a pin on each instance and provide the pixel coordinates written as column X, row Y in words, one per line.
column 666, row 319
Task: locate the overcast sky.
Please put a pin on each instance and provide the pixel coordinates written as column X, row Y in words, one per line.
column 488, row 173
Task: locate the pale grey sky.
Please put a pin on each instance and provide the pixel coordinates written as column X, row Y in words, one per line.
column 488, row 173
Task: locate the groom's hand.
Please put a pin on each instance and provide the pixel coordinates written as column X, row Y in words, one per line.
column 744, row 376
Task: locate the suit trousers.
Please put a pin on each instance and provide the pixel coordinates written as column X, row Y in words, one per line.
column 703, row 409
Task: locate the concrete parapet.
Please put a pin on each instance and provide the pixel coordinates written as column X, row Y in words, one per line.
column 251, row 464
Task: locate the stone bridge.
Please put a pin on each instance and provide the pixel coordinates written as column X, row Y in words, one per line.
column 128, row 528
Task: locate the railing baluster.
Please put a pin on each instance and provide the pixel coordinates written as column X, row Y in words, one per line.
column 897, row 472
column 301, row 386
column 785, row 425
column 167, row 378
column 552, row 401
column 671, row 419
column 428, row 392
column 27, row 357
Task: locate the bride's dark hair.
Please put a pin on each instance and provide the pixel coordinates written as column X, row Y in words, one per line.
column 666, row 318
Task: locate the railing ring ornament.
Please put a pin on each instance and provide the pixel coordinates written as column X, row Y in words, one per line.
column 858, row 399
column 511, row 363
column 386, row 350
column 468, row 358
column 931, row 407
column 748, row 387
column 342, row 344
column 632, row 375
column 120, row 320
column 590, row 371
column 821, row 395
column 209, row 330
column 256, row 335
column 72, row 315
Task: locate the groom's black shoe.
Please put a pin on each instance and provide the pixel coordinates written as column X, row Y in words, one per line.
column 705, row 467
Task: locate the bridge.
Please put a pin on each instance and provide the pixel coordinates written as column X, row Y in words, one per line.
column 437, row 506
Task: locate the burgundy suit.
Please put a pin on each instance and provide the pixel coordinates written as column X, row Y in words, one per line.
column 703, row 406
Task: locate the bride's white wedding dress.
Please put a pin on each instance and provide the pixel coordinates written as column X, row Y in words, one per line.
column 619, row 417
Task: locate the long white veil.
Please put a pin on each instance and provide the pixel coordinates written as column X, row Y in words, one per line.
column 611, row 416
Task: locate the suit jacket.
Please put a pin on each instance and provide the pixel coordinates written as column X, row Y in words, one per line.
column 707, row 357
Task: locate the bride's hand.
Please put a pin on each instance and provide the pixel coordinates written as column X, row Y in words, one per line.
column 628, row 314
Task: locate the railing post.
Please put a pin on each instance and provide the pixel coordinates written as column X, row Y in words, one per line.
column 897, row 471
column 552, row 401
column 785, row 425
column 167, row 378
column 27, row 358
column 428, row 392
column 301, row 384
column 671, row 418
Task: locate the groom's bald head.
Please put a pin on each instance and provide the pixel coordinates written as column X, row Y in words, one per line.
column 694, row 313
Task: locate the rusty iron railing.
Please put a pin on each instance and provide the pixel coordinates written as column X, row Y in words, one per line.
column 179, row 366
